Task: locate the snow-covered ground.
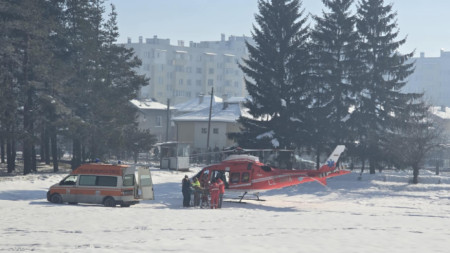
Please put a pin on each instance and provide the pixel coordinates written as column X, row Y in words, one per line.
column 380, row 213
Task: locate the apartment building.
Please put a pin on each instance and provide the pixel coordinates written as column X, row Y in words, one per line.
column 182, row 72
column 432, row 76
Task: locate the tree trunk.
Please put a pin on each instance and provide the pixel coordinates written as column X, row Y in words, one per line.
column 363, row 165
column 318, row 158
column 46, row 146
column 372, row 166
column 2, row 150
column 76, row 153
column 54, row 148
column 42, row 145
column 437, row 166
column 11, row 150
column 415, row 174
column 28, row 145
column 33, row 158
column 28, row 137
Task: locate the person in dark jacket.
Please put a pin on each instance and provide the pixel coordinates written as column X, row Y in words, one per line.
column 186, row 189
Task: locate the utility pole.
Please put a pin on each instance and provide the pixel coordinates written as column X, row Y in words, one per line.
column 168, row 120
column 209, row 119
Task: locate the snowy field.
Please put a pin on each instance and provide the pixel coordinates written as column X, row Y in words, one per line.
column 380, row 213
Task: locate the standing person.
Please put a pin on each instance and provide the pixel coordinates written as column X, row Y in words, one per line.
column 186, row 189
column 221, row 185
column 197, row 190
column 205, row 186
column 214, row 193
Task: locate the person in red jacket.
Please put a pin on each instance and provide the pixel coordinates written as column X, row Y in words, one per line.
column 221, row 185
column 214, row 193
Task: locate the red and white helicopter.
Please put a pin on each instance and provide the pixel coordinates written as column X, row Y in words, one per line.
column 244, row 173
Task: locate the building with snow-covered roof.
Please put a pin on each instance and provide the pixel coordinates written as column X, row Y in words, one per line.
column 193, row 127
column 152, row 116
column 196, row 104
column 441, row 155
column 182, row 72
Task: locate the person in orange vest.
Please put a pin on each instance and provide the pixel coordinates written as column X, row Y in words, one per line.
column 221, row 185
column 214, row 193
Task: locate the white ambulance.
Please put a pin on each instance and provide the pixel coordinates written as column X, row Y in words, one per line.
column 105, row 184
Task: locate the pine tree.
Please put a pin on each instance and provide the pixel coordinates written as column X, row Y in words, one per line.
column 9, row 69
column 334, row 41
column 27, row 29
column 276, row 77
column 82, row 20
column 384, row 73
column 104, row 81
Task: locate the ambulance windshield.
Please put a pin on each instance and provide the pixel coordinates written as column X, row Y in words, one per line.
column 69, row 180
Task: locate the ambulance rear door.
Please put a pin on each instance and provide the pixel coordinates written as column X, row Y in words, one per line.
column 144, row 184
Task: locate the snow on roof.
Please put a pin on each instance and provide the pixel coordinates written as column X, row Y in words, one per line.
column 218, row 114
column 441, row 112
column 149, row 104
column 236, row 100
column 197, row 104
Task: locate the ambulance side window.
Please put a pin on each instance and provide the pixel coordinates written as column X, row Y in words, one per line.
column 106, row 181
column 128, row 180
column 87, row 180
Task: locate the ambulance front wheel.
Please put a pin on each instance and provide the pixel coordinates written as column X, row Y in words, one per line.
column 56, row 198
column 109, row 202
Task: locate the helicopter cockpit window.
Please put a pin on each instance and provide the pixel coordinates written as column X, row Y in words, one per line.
column 245, row 177
column 266, row 168
column 234, row 178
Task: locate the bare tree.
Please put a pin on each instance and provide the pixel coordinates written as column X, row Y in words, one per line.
column 410, row 144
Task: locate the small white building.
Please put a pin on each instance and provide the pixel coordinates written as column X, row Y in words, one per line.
column 193, row 127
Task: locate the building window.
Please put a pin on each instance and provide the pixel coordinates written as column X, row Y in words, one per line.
column 198, row 82
column 210, row 82
column 215, row 130
column 211, row 71
column 198, row 70
column 158, row 121
column 204, row 130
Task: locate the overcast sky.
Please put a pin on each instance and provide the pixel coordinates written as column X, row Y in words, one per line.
column 426, row 23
